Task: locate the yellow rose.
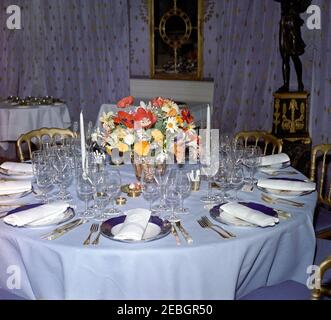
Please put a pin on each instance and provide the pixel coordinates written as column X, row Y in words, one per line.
column 142, row 148
column 158, row 136
column 122, row 147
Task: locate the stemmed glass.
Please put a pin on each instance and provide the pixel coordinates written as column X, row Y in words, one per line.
column 113, row 181
column 44, row 178
column 100, row 195
column 210, row 170
column 35, row 160
column 223, row 178
column 62, row 164
column 85, row 192
column 161, row 176
column 252, row 161
column 183, row 187
column 150, row 191
column 172, row 200
column 236, row 180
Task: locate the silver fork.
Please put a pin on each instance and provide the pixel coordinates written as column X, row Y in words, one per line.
column 210, row 224
column 96, row 241
column 94, row 228
column 204, row 225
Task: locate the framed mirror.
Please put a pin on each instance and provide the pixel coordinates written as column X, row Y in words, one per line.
column 176, row 39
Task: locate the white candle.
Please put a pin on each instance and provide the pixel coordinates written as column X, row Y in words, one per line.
column 82, row 141
column 208, row 131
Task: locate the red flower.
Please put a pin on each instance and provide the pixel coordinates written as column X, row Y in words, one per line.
column 144, row 119
column 158, row 102
column 186, row 115
column 126, row 102
column 124, row 118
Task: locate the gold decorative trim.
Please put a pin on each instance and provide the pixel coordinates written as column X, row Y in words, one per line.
column 277, row 115
column 291, row 95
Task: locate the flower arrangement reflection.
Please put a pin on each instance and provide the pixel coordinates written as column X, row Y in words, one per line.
column 159, row 128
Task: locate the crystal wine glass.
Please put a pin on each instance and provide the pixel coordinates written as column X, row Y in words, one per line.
column 85, row 192
column 183, row 186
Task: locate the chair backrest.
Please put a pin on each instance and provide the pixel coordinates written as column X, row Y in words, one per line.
column 37, row 136
column 269, row 143
column 319, row 172
column 325, row 288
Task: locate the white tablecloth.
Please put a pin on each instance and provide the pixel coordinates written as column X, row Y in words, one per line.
column 210, row 268
column 17, row 120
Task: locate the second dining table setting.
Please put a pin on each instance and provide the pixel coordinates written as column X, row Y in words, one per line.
column 79, row 225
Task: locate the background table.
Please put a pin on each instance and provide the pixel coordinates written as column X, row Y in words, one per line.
column 16, row 120
column 211, row 268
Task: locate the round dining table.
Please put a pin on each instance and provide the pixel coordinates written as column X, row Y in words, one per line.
column 19, row 119
column 211, row 268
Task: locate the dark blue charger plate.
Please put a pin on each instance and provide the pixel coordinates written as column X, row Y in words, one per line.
column 107, row 228
column 215, row 211
column 70, row 214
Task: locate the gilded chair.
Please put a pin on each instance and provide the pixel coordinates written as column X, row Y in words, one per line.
column 36, row 137
column 292, row 290
column 320, row 160
column 268, row 142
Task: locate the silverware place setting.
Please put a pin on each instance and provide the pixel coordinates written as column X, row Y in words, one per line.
column 97, row 239
column 175, row 234
column 280, row 172
column 185, row 234
column 275, row 200
column 205, row 223
column 93, row 229
column 60, row 231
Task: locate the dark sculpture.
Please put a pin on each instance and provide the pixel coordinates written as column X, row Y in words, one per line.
column 291, row 43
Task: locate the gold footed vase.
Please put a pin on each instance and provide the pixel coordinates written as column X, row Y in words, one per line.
column 147, row 168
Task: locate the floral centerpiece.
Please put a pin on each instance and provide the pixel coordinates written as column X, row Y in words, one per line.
column 159, row 129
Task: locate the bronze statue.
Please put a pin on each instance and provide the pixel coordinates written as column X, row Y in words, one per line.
column 291, row 44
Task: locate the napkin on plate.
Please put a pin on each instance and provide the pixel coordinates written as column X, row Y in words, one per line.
column 12, row 187
column 287, row 185
column 15, row 167
column 249, row 215
column 47, row 212
column 275, row 159
column 134, row 225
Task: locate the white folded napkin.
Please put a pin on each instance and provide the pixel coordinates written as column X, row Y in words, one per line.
column 46, row 211
column 249, row 215
column 134, row 225
column 16, row 167
column 275, row 159
column 12, row 187
column 287, row 185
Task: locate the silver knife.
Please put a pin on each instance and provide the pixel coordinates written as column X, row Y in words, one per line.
column 175, row 234
column 186, row 235
column 59, row 232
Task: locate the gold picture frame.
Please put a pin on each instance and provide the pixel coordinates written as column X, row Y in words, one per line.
column 191, row 33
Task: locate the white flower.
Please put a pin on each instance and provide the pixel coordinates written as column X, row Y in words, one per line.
column 172, row 125
column 129, row 139
column 143, row 104
column 169, row 105
column 94, row 137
